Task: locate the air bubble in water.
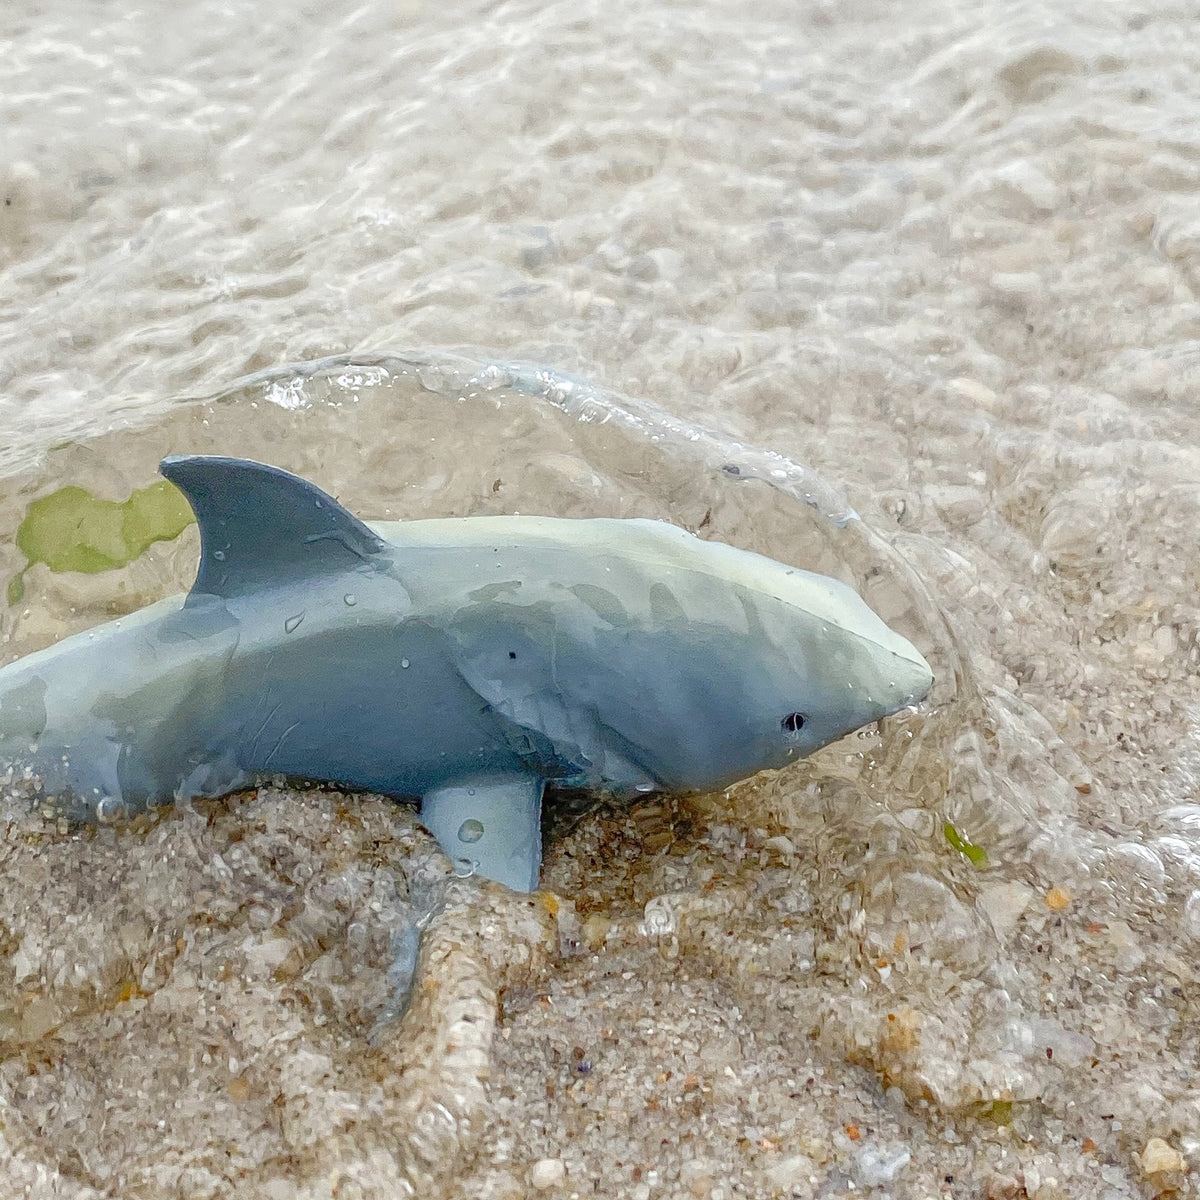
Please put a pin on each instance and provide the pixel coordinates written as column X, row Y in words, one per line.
column 293, row 623
column 109, row 808
column 1138, row 864
column 1191, row 916
column 464, row 868
column 358, row 938
column 659, row 918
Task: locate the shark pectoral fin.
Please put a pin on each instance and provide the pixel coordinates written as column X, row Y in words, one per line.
column 261, row 526
column 493, row 822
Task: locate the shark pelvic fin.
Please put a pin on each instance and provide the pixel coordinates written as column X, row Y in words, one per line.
column 490, row 825
column 260, row 525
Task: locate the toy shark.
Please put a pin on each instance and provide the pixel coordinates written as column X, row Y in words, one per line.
column 467, row 662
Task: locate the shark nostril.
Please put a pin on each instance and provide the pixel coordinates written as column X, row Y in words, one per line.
column 793, row 723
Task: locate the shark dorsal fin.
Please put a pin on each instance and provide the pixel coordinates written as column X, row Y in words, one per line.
column 261, row 526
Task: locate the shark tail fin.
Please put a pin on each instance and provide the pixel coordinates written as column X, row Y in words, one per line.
column 260, row 526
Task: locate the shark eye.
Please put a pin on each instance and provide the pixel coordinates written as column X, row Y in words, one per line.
column 792, row 723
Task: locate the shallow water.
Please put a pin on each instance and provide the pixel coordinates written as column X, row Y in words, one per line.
column 942, row 274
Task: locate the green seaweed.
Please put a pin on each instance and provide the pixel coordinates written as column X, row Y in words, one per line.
column 72, row 530
column 977, row 854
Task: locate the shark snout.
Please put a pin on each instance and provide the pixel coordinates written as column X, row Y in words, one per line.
column 910, row 679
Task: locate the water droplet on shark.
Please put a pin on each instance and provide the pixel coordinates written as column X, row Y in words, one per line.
column 404, row 663
column 470, row 831
column 293, row 623
column 219, row 555
column 351, row 599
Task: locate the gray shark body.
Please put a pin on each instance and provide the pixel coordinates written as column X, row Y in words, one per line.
column 467, row 662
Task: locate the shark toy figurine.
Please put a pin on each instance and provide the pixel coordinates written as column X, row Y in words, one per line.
column 466, row 662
